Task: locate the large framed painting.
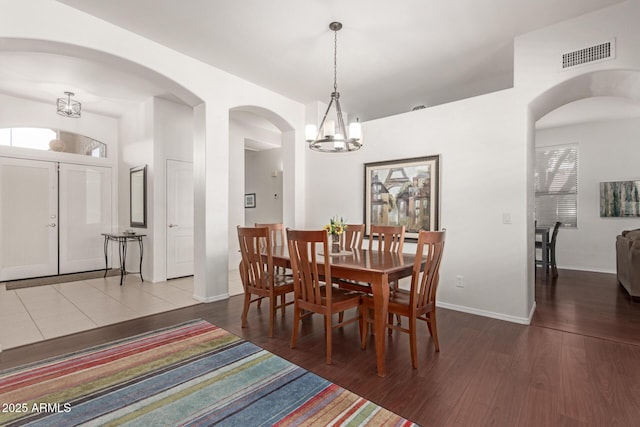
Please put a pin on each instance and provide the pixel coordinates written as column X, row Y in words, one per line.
column 620, row 199
column 403, row 192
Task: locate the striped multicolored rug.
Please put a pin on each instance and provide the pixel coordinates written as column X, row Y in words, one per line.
column 192, row 374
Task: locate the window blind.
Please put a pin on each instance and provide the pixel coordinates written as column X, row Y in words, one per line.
column 556, row 185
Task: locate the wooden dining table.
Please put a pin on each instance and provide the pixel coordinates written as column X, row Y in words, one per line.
column 362, row 265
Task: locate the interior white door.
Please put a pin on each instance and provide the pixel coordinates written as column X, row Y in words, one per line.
column 28, row 219
column 179, row 219
column 85, row 213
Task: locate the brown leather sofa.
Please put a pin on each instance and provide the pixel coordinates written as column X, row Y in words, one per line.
column 628, row 262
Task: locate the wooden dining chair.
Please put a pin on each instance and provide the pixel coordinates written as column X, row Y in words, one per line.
column 419, row 302
column 551, row 250
column 311, row 293
column 390, row 237
column 277, row 235
column 352, row 237
column 258, row 273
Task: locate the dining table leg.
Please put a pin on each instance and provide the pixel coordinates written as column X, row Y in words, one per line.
column 380, row 290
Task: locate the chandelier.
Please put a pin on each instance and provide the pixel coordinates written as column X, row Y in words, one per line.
column 332, row 137
column 68, row 107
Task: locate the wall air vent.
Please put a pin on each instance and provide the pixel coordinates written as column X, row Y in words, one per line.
column 589, row 55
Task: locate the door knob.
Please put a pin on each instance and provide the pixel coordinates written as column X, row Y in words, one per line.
column 173, row 225
column 53, row 224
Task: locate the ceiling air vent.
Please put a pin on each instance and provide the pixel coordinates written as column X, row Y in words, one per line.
column 588, row 55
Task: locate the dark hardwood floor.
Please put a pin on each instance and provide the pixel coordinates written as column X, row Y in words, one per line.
column 578, row 364
column 587, row 303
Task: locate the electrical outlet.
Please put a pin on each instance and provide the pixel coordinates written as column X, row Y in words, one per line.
column 459, row 281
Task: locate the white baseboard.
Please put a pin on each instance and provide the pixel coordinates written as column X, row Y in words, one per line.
column 533, row 310
column 491, row 314
column 211, row 299
column 592, row 270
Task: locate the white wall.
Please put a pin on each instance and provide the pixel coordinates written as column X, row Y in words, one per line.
column 607, row 151
column 476, row 189
column 173, row 139
column 154, row 132
column 174, row 129
column 136, row 149
column 538, row 54
column 241, row 175
column 260, row 166
column 236, row 193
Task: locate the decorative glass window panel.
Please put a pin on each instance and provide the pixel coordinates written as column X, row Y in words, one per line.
column 52, row 140
column 37, row 138
column 5, row 137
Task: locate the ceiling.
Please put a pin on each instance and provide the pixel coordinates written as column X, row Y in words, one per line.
column 101, row 88
column 392, row 56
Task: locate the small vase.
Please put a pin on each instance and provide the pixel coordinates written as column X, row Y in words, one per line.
column 335, row 244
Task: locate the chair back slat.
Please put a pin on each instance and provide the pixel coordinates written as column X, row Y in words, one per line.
column 390, row 238
column 352, row 237
column 257, row 263
column 424, row 284
column 308, row 276
column 276, row 233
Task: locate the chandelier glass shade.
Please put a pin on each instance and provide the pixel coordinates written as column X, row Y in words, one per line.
column 331, row 136
column 68, row 107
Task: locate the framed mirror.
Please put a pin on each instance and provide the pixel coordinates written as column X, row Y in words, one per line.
column 138, row 196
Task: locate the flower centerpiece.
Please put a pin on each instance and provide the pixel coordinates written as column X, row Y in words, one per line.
column 335, row 228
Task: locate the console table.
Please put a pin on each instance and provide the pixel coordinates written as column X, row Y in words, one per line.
column 123, row 240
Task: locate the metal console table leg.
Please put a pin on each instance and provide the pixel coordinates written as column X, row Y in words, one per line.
column 122, row 240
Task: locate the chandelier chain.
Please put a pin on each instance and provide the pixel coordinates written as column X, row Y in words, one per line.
column 335, row 60
column 332, row 136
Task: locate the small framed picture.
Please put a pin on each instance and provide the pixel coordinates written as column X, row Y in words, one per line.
column 250, row 200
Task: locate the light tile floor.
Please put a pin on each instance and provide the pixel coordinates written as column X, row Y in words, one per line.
column 42, row 312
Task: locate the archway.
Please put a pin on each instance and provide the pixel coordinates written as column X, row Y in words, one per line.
column 617, row 83
column 257, row 145
column 124, row 66
column 159, row 86
column 582, row 91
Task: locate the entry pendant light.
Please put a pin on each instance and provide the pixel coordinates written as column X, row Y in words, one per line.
column 332, row 137
column 68, row 107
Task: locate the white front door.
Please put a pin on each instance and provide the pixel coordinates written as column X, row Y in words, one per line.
column 179, row 219
column 28, row 219
column 85, row 213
